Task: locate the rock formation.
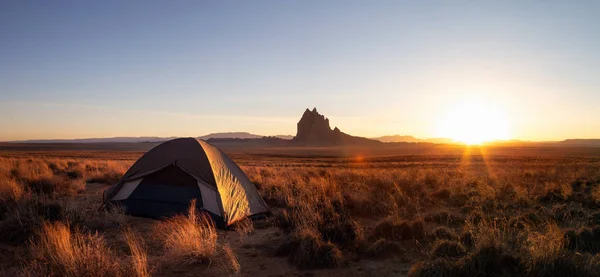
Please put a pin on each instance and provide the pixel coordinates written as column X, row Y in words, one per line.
column 314, row 129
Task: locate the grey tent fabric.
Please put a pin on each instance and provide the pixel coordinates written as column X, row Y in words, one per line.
column 219, row 181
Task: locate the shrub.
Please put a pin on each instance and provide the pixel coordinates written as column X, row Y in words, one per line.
column 584, row 239
column 595, row 195
column 383, row 248
column 374, row 203
column 545, row 246
column 490, row 260
column 445, row 218
column 76, row 173
column 287, row 220
column 435, row 268
column 459, row 199
column 467, row 239
column 56, row 185
column 557, row 193
column 108, row 172
column 594, row 219
column 475, row 217
column 10, row 190
column 486, row 261
column 442, row 194
column 521, row 222
column 189, row 239
column 445, row 233
column 344, row 232
column 112, row 216
column 108, row 177
column 231, row 263
column 24, row 219
column 306, row 249
column 445, row 248
column 568, row 264
column 393, row 228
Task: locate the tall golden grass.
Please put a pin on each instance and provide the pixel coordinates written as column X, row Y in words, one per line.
column 511, row 216
column 139, row 258
column 54, row 177
column 59, row 252
column 189, row 239
column 192, row 239
column 503, row 210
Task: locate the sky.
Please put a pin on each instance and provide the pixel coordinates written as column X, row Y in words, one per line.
column 77, row 69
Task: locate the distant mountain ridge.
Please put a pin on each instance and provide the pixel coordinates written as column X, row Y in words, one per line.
column 228, row 135
column 238, row 135
column 406, row 138
column 98, row 140
column 581, row 142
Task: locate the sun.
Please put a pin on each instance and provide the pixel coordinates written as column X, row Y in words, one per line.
column 474, row 121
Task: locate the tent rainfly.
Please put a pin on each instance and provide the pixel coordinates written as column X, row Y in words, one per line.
column 165, row 180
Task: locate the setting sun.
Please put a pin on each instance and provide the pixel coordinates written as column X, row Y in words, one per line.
column 474, row 121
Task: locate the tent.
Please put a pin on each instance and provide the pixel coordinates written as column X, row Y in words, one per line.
column 165, row 180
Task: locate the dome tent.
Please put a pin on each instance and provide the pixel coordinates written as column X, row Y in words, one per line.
column 165, row 180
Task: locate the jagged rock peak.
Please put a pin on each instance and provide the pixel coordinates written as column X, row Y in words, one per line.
column 313, row 129
column 313, row 126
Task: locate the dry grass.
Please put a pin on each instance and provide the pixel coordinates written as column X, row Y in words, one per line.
column 306, row 249
column 10, row 191
column 504, row 205
column 595, row 195
column 443, row 232
column 384, row 248
column 139, row 256
column 58, row 252
column 192, row 239
column 189, row 239
column 394, row 228
column 54, row 177
column 243, row 227
column 449, row 216
column 23, row 219
column 445, row 248
column 230, row 261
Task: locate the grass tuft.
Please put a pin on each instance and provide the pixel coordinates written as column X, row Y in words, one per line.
column 189, row 239
column 306, row 249
column 394, row 228
column 384, row 248
column 139, row 257
column 58, row 252
column 446, row 248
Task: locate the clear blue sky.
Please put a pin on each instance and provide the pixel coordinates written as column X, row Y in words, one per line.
column 72, row 69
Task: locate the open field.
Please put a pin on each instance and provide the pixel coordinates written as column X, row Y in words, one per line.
column 336, row 212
